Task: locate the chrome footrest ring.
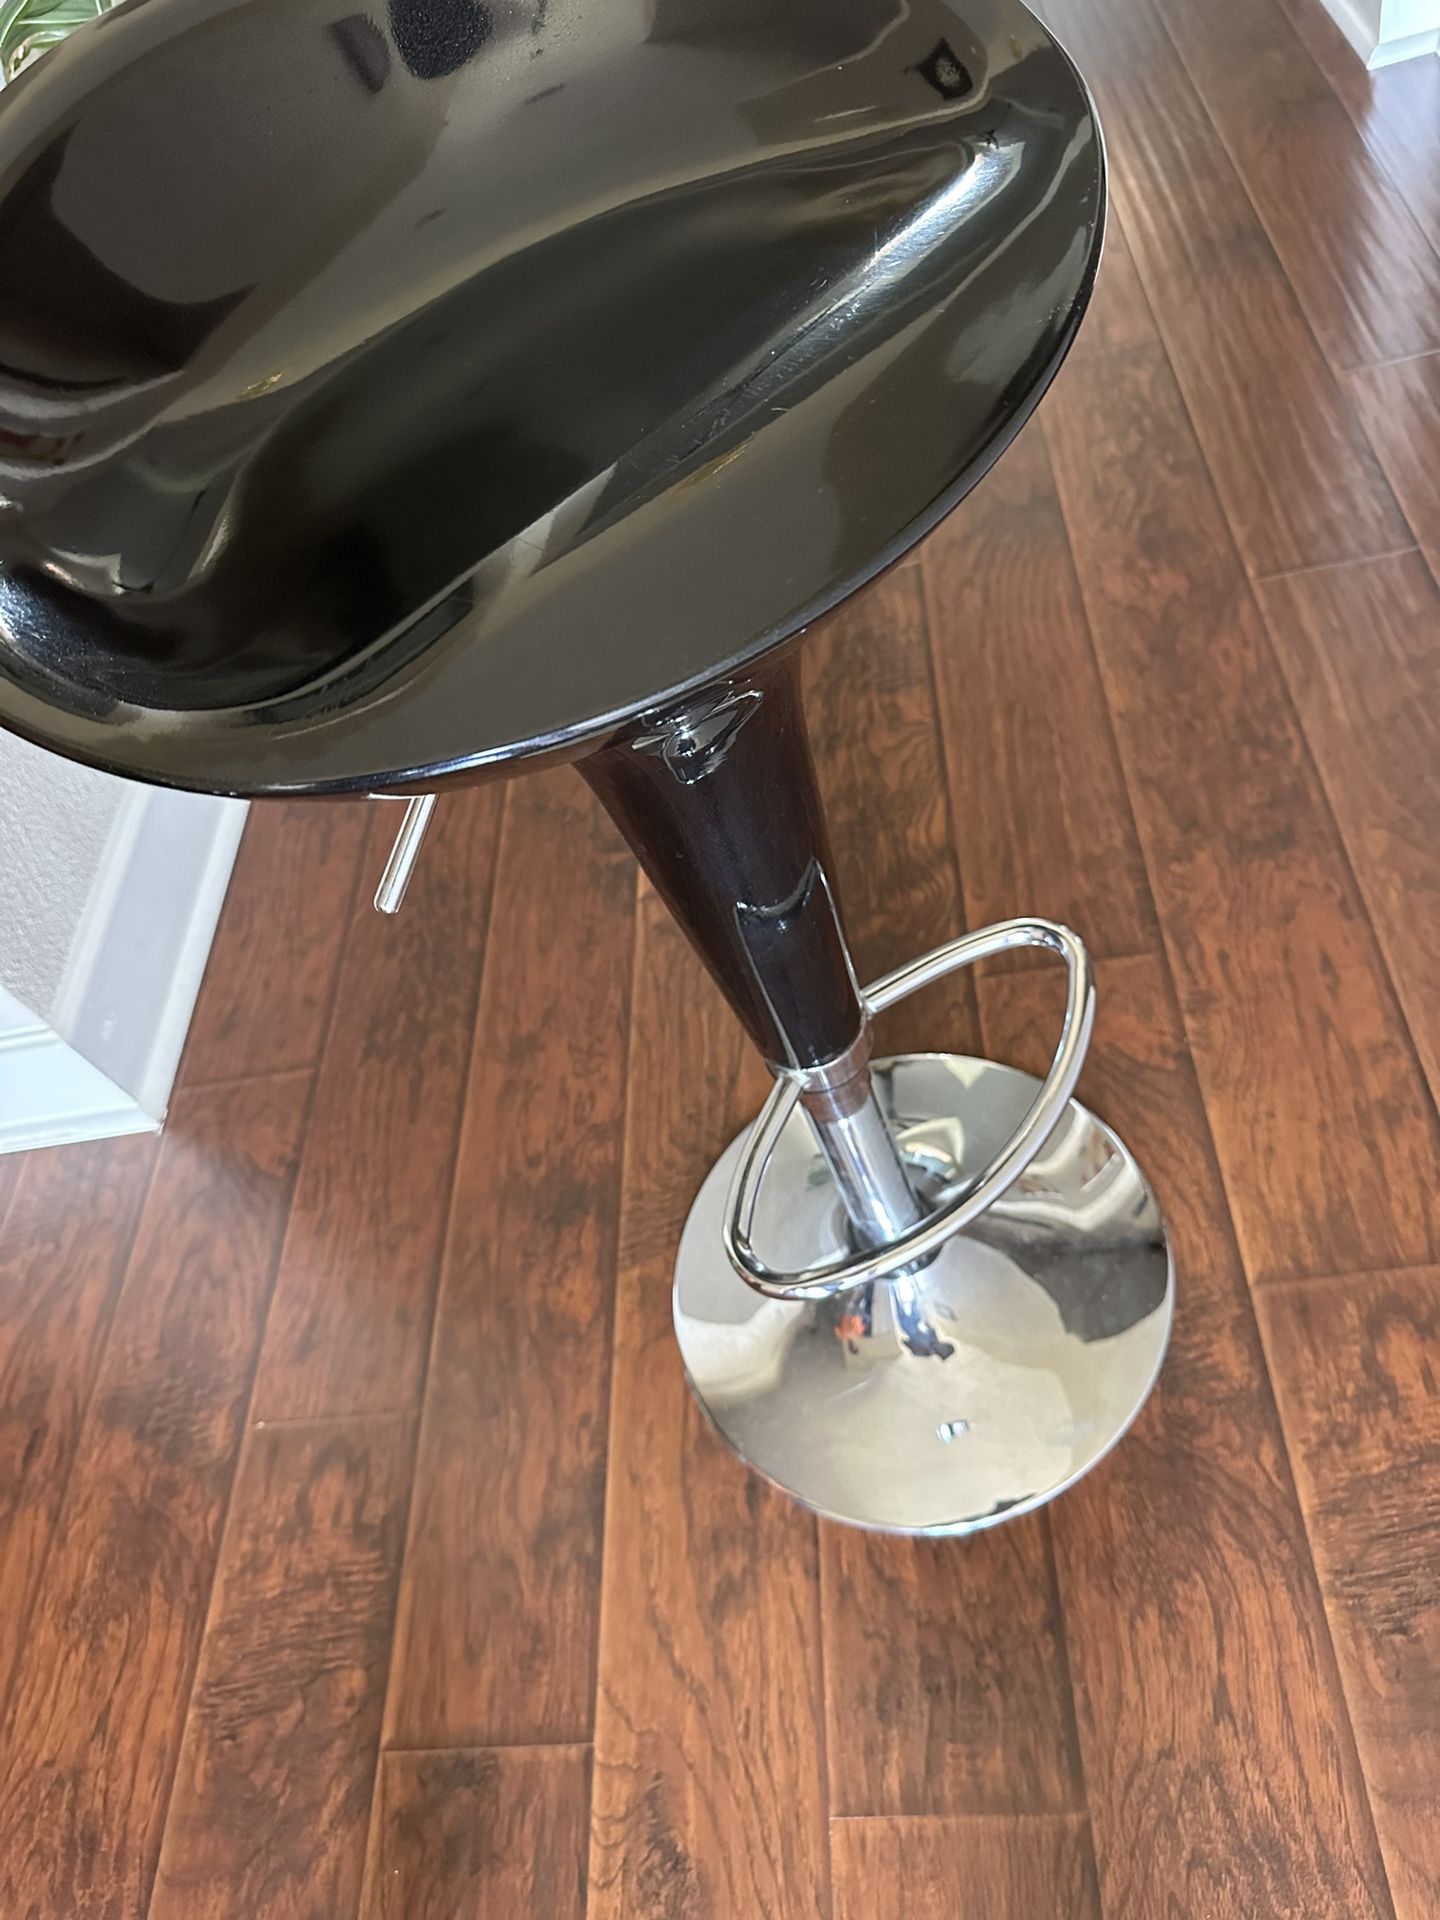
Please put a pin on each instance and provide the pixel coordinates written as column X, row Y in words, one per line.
column 957, row 1210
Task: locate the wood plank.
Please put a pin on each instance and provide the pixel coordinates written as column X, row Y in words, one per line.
column 272, row 1794
column 1297, row 476
column 981, row 1869
column 466, row 1835
column 90, row 1740
column 870, row 705
column 1366, row 276
column 1119, row 314
column 67, row 1239
column 1042, row 819
column 1321, row 1116
column 10, row 1165
column 350, row 1326
column 1360, row 646
column 1396, row 109
column 1220, row 1768
column 708, row 1788
column 1354, row 1362
column 1400, row 407
column 265, row 999
column 946, row 1685
column 496, row 1633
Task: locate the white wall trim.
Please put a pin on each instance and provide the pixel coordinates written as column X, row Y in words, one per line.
column 1355, row 22
column 129, row 987
column 1383, row 32
column 1409, row 46
column 49, row 1094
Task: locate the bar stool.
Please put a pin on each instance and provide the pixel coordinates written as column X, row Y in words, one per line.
column 393, row 402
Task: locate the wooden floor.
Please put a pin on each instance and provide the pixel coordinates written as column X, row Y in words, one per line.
column 360, row 1551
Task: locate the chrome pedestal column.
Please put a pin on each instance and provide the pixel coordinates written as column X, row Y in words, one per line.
column 920, row 1294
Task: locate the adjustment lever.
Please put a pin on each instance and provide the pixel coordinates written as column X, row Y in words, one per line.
column 403, row 855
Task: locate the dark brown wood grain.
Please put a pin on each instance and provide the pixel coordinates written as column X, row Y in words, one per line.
column 870, row 702
column 1365, row 275
column 1042, row 820
column 1219, row 1764
column 1298, row 479
column 1356, row 1363
column 495, row 1642
column 476, row 1835
column 271, row 1802
column 265, row 999
column 709, row 1771
column 1360, row 646
column 1400, row 407
column 1119, row 314
column 66, row 1240
column 350, row 1325
column 979, row 1869
column 945, row 1675
column 1396, row 109
column 10, row 1165
column 1323, row 1123
column 89, row 1744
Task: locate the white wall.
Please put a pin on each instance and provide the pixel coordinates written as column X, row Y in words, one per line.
column 55, row 822
column 109, row 894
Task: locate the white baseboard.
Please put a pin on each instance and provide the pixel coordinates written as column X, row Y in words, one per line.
column 1384, row 43
column 134, row 970
column 104, row 1061
column 49, row 1094
column 1409, row 46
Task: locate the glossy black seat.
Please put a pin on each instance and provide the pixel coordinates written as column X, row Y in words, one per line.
column 388, row 398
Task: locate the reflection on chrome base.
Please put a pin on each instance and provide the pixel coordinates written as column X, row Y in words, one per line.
column 967, row 1392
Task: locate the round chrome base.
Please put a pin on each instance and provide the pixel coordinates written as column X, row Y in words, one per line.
column 966, row 1392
